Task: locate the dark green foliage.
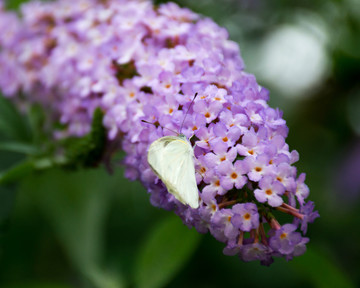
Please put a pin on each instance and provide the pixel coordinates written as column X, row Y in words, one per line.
column 87, row 151
column 164, row 252
column 124, row 71
column 146, row 89
column 13, row 125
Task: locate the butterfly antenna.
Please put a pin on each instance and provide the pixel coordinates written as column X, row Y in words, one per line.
column 156, row 124
column 187, row 112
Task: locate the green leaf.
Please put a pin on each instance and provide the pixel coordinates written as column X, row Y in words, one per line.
column 321, row 270
column 165, row 251
column 12, row 124
column 18, row 147
column 16, row 172
column 28, row 166
column 75, row 203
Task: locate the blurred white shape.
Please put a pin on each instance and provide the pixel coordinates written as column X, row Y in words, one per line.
column 293, row 58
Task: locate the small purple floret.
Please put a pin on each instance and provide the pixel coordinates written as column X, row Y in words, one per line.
column 285, row 239
column 246, row 216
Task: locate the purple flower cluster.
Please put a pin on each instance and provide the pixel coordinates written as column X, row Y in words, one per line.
column 140, row 62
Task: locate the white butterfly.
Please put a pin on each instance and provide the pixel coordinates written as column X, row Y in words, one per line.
column 172, row 160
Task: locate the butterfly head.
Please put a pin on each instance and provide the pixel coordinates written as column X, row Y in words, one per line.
column 182, row 136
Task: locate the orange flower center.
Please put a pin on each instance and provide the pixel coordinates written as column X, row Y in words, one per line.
column 268, row 192
column 283, row 235
column 233, row 175
column 247, row 216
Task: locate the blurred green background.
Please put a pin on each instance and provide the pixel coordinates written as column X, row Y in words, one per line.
column 91, row 229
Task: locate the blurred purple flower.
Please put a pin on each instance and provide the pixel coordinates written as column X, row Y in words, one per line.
column 346, row 174
column 308, row 216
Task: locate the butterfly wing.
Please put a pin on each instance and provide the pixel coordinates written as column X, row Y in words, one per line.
column 172, row 159
column 180, row 174
column 157, row 152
